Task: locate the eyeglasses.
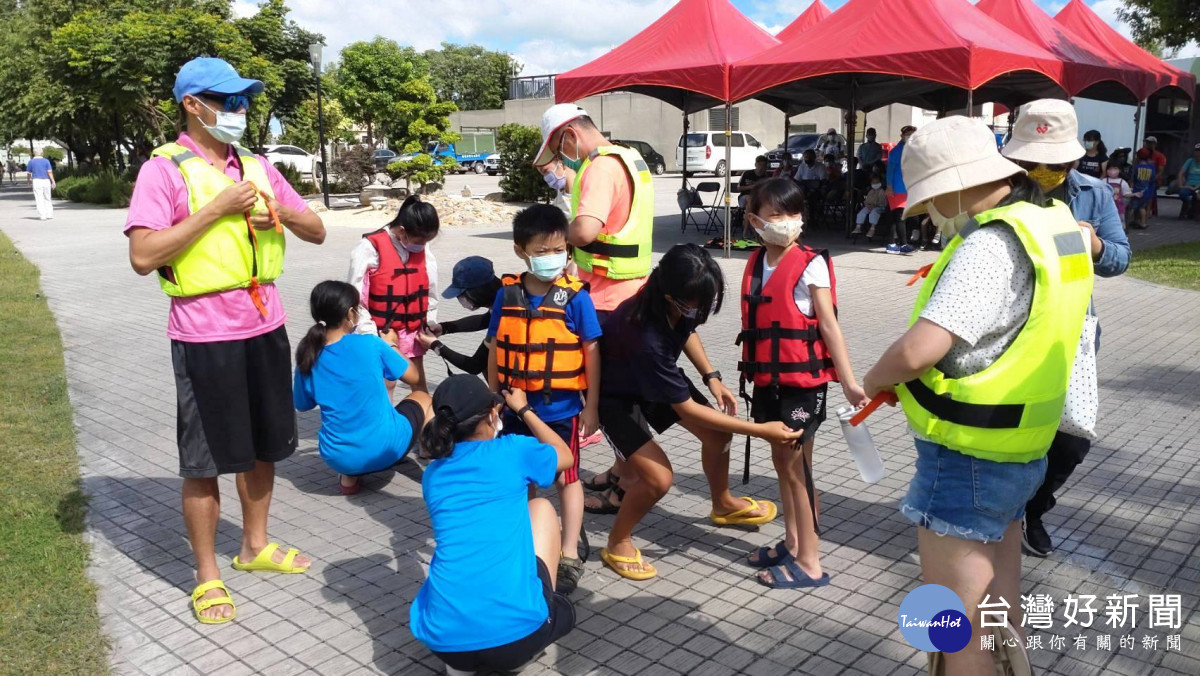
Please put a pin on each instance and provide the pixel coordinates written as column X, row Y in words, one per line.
column 232, row 102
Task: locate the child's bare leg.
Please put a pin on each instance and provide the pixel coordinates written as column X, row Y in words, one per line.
column 570, row 496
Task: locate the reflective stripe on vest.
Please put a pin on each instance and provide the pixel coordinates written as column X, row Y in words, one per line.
column 535, row 350
column 625, row 255
column 397, row 291
column 780, row 344
column 230, row 254
column 1010, row 411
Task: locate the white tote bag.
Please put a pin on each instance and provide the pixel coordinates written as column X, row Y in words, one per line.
column 1083, row 391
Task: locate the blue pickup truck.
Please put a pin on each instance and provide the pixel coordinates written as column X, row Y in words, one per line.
column 466, row 162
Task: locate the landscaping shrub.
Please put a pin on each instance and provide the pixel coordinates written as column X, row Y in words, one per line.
column 517, row 144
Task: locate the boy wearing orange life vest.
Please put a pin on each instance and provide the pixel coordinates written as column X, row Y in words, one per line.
column 396, row 275
column 542, row 339
column 792, row 347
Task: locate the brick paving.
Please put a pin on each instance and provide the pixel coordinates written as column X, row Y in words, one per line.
column 1127, row 523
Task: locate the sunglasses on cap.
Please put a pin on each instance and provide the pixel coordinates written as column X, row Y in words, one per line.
column 231, row 102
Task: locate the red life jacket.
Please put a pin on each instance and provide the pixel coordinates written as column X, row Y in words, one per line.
column 780, row 344
column 397, row 292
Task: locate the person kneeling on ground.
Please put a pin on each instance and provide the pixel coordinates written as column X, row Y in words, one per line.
column 642, row 387
column 344, row 373
column 489, row 602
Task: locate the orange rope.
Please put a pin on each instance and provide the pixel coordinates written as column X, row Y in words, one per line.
column 923, row 271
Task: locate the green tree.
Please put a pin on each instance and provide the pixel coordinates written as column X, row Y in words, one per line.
column 469, row 76
column 300, row 128
column 1167, row 23
column 422, row 169
column 370, row 80
column 522, row 182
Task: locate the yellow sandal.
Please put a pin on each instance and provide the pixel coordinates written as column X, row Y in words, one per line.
column 200, row 605
column 263, row 561
column 613, row 559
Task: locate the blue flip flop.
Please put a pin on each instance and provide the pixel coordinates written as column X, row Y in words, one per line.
column 765, row 560
column 800, row 579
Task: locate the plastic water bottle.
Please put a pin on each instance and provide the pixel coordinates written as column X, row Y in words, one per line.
column 862, row 447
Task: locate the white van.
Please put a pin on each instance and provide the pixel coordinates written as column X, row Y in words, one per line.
column 706, row 152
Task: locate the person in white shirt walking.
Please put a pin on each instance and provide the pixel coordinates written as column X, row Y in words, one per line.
column 41, row 174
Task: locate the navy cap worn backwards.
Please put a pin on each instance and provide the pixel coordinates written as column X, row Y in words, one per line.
column 470, row 272
column 462, row 397
column 207, row 74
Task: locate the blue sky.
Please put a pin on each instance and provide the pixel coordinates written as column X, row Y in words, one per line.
column 548, row 36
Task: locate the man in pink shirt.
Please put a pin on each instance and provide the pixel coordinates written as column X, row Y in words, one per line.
column 200, row 219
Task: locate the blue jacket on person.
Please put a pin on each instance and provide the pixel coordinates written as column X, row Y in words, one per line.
column 895, row 177
column 1091, row 200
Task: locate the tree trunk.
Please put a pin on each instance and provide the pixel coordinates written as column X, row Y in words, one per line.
column 370, row 135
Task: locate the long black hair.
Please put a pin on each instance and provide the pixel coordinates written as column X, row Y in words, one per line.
column 1094, row 135
column 418, row 218
column 688, row 274
column 781, row 194
column 443, row 431
column 329, row 303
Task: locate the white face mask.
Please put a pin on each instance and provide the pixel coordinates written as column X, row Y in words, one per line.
column 467, row 305
column 1089, row 144
column 229, row 127
column 876, row 186
column 949, row 226
column 778, row 233
column 498, row 425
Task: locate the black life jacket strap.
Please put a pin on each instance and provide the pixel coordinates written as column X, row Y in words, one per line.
column 984, row 416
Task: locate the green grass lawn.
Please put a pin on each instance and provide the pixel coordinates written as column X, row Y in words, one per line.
column 1172, row 265
column 48, row 618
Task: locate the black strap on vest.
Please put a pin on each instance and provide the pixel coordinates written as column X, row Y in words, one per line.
column 753, row 300
column 985, row 416
column 610, row 250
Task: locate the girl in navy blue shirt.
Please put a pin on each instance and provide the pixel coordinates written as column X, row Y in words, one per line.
column 346, row 374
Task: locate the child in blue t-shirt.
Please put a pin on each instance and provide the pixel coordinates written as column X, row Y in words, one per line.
column 345, row 373
column 489, row 602
column 542, row 339
column 1145, row 184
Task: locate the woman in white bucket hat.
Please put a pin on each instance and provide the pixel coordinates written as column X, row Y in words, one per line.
column 982, row 371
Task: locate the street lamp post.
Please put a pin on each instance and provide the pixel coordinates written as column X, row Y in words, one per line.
column 314, row 52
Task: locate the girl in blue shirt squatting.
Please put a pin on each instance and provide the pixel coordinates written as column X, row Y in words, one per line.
column 476, row 491
column 347, row 375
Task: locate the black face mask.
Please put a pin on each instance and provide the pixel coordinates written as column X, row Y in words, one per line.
column 810, row 162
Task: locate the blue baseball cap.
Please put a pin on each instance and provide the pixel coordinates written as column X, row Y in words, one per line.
column 207, row 74
column 470, row 272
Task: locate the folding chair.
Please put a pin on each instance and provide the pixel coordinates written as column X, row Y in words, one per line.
column 708, row 220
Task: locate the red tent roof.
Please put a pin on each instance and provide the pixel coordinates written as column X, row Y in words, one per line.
column 810, row 17
column 1104, row 39
column 1084, row 72
column 886, row 48
column 688, row 51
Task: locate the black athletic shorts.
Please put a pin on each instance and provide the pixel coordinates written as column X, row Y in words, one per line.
column 800, row 408
column 510, row 656
column 234, row 404
column 626, row 423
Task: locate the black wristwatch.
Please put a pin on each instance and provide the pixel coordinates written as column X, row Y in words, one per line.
column 715, row 375
column 523, row 411
column 436, row 347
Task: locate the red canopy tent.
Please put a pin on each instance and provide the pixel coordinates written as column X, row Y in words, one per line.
column 1085, row 73
column 871, row 53
column 1104, row 39
column 683, row 58
column 810, row 17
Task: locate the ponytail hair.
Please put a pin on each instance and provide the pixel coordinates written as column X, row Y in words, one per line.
column 417, row 217
column 444, row 430
column 329, row 303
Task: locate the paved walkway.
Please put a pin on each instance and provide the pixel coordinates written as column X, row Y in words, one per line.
column 1128, row 522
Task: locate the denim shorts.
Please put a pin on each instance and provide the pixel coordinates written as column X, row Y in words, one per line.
column 969, row 498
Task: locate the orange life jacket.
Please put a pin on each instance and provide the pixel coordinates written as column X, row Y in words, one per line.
column 397, row 292
column 535, row 351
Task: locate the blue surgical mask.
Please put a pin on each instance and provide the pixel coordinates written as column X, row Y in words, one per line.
column 547, row 268
column 555, row 181
column 229, row 127
column 414, row 248
column 688, row 312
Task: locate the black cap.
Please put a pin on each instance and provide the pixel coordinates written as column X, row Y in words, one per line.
column 462, row 397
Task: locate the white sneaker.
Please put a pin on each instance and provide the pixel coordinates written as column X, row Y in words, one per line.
column 857, row 230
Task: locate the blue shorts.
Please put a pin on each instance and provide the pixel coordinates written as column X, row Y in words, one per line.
column 1142, row 202
column 972, row 499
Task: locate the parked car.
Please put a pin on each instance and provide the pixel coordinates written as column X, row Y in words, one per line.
column 384, row 157
column 706, row 152
column 796, row 145
column 654, row 160
column 296, row 158
column 492, row 164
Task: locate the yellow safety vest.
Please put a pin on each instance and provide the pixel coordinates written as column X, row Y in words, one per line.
column 625, row 255
column 1010, row 411
column 231, row 254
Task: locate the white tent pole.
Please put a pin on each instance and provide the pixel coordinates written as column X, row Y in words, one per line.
column 728, row 171
column 684, row 142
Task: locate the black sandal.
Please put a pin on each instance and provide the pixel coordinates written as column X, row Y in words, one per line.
column 598, row 486
column 607, row 507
